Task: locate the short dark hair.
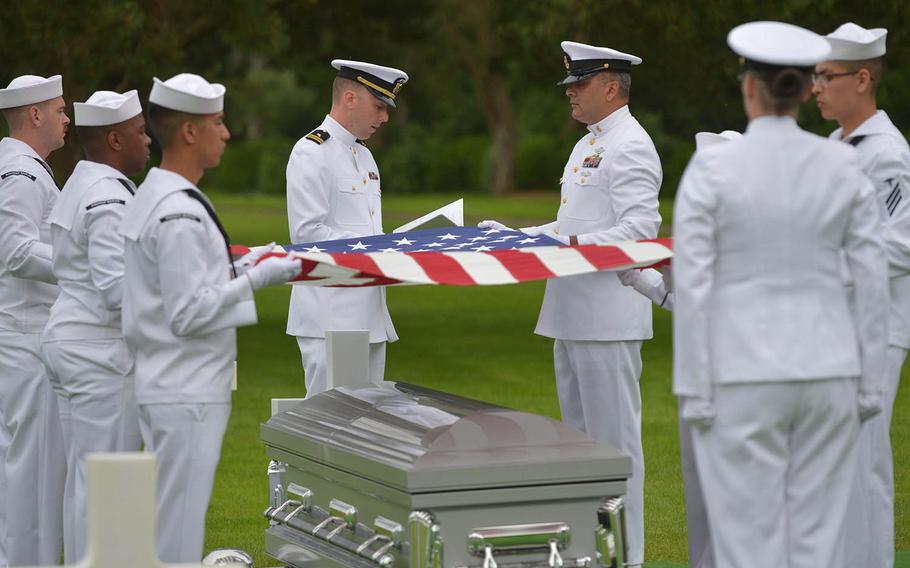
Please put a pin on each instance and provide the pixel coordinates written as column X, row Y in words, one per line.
column 875, row 66
column 164, row 122
column 342, row 84
column 92, row 138
column 781, row 90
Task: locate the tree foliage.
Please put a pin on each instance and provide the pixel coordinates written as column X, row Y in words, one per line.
column 481, row 111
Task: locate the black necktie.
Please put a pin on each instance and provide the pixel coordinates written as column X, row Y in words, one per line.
column 214, row 217
column 47, row 168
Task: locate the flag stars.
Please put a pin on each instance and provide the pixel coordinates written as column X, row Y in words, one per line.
column 359, row 246
column 314, row 248
column 403, row 241
column 527, row 241
column 481, row 248
column 390, row 250
column 448, row 237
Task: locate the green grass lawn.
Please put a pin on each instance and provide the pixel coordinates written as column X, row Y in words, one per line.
column 477, row 342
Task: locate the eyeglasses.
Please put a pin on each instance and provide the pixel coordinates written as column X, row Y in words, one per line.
column 821, row 80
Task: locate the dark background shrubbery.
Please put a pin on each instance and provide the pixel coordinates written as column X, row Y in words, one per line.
column 480, row 71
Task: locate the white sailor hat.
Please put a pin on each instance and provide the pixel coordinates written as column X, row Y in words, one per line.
column 705, row 139
column 104, row 108
column 770, row 45
column 382, row 82
column 584, row 60
column 851, row 42
column 189, row 93
column 30, row 89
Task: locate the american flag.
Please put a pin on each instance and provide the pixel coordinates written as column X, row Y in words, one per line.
column 461, row 256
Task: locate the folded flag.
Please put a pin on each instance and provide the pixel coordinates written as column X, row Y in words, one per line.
column 461, row 256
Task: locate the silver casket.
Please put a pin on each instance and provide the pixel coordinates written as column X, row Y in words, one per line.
column 400, row 475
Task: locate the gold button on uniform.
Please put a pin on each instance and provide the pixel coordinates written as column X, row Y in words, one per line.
column 584, row 180
column 564, row 199
column 364, row 181
column 591, row 141
column 353, row 188
column 575, row 169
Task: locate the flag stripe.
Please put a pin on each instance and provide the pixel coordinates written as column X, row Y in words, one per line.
column 483, row 268
column 562, row 261
column 402, row 265
column 523, row 266
column 443, row 269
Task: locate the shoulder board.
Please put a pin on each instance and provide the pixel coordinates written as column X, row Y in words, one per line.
column 18, row 173
column 362, row 143
column 104, row 202
column 174, row 216
column 318, row 136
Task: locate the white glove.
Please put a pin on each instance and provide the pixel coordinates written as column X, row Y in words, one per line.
column 493, row 225
column 697, row 412
column 273, row 271
column 629, row 277
column 870, row 404
column 249, row 260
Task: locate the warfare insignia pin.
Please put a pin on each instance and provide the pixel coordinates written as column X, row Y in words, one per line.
column 373, row 176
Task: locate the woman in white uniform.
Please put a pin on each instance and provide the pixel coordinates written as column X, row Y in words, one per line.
column 773, row 367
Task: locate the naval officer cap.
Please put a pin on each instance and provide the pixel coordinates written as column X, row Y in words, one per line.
column 104, row 108
column 582, row 61
column 188, row 93
column 707, row 139
column 382, row 82
column 776, row 45
column 30, row 90
column 851, row 42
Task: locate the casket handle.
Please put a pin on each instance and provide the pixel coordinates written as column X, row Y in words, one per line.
column 546, row 536
column 610, row 536
column 344, row 512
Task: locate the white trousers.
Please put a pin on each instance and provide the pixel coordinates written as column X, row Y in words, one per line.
column 94, row 384
column 34, row 467
column 870, row 529
column 697, row 529
column 777, row 467
column 312, row 353
column 186, row 440
column 597, row 382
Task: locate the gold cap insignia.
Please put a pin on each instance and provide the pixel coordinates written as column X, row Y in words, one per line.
column 565, row 59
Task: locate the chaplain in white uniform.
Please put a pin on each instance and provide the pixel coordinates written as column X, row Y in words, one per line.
column 657, row 286
column 776, row 368
column 334, row 192
column 89, row 363
column 845, row 86
column 31, row 443
column 182, row 300
column 609, row 193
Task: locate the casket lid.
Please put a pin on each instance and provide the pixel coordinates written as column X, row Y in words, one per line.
column 420, row 440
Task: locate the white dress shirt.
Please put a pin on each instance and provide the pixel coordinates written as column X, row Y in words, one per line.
column 884, row 157
column 180, row 304
column 333, row 192
column 760, row 226
column 27, row 194
column 88, row 253
column 609, row 193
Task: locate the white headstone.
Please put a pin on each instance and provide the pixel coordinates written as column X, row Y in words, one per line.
column 347, row 355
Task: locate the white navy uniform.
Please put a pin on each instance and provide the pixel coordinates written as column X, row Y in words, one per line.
column 884, row 157
column 34, row 466
column 334, row 192
column 763, row 327
column 88, row 360
column 609, row 193
column 180, row 308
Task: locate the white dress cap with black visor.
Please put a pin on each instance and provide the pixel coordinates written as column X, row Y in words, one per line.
column 30, row 90
column 105, row 108
column 382, row 82
column 771, row 46
column 188, row 93
column 851, row 42
column 582, row 61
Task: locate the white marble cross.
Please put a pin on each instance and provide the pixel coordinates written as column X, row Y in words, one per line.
column 121, row 513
